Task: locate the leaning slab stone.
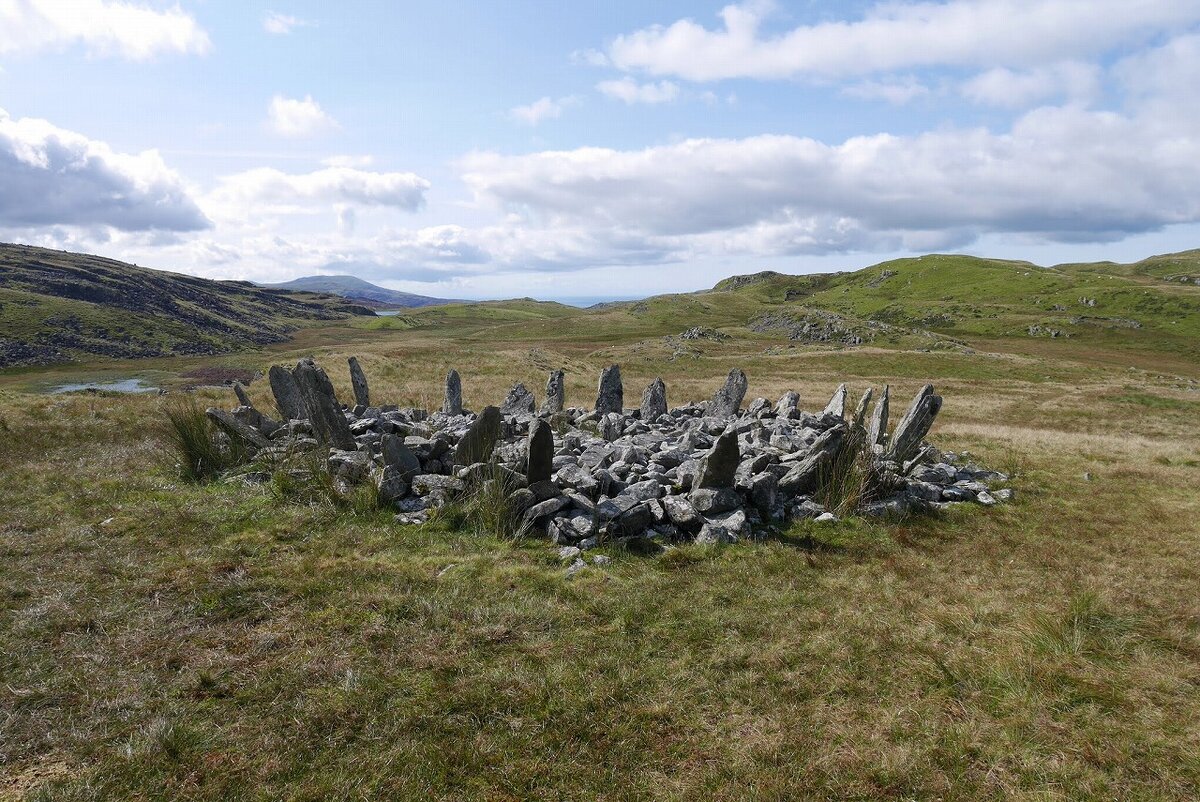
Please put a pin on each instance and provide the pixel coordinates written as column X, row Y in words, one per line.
column 519, row 401
column 860, row 412
column 540, row 458
column 358, row 380
column 912, row 428
column 236, row 428
column 399, row 457
column 837, row 404
column 392, row 486
column 452, row 402
column 654, row 401
column 480, row 440
column 555, row 393
column 879, row 419
column 789, row 405
column 720, row 466
column 728, row 400
column 242, row 397
column 610, row 395
column 287, row 393
column 324, row 413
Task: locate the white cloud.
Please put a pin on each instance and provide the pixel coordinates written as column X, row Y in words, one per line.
column 50, row 176
column 298, row 118
column 104, row 27
column 1070, row 80
column 265, row 190
column 898, row 91
column 630, row 91
column 282, row 24
column 544, row 108
column 897, row 36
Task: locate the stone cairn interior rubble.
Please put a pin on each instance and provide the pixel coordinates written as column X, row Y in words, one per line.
column 712, row 472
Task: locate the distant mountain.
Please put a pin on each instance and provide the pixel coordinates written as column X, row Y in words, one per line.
column 61, row 307
column 356, row 289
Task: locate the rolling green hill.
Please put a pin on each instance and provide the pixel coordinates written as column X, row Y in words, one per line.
column 356, row 289
column 60, row 307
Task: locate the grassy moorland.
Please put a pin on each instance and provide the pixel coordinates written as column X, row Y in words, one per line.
column 161, row 639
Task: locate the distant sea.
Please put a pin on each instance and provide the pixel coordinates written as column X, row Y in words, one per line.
column 584, row 301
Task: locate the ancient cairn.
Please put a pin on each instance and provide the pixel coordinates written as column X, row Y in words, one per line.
column 712, row 471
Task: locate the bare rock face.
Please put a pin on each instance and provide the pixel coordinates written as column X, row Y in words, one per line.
column 242, row 397
column 879, row 419
column 860, row 412
column 519, row 401
column 916, row 423
column 324, row 413
column 788, row 406
column 610, row 395
column 358, row 380
column 287, row 393
column 654, row 400
column 540, row 459
column 480, row 440
column 721, row 464
column 837, row 404
column 728, row 400
column 399, row 458
column 452, row 403
column 556, row 394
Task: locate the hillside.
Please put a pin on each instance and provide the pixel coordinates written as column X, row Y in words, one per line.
column 356, row 289
column 61, row 307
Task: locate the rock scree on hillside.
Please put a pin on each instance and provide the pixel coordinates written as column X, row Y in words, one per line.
column 710, row 472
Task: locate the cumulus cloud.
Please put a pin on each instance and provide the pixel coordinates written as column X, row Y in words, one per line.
column 265, row 190
column 104, row 27
column 897, row 90
column 895, row 36
column 282, row 24
column 544, row 108
column 1000, row 86
column 298, row 118
column 630, row 91
column 50, row 176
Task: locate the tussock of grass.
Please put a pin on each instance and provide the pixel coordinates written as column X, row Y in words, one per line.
column 201, row 451
column 486, row 509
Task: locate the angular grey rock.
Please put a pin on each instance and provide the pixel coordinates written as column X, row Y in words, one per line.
column 519, row 401
column 789, row 405
column 764, row 488
column 877, row 431
column 452, row 403
column 837, row 404
column 610, row 394
column 546, row 508
column 539, row 459
column 714, row 500
column 480, row 440
column 860, row 412
column 288, row 400
column 399, row 457
column 611, row 426
column 242, row 397
column 712, row 534
column 805, row 475
column 392, row 487
column 555, row 393
column 427, row 483
column 682, row 513
column 358, row 381
column 728, row 400
column 252, row 417
column 324, row 412
column 237, row 429
column 720, row 465
column 654, row 400
column 912, row 428
column 351, row 467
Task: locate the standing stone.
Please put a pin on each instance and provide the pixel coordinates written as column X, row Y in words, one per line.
column 324, row 413
column 540, row 457
column 860, row 412
column 452, row 404
column 519, row 401
column 242, row 397
column 610, row 395
column 789, row 405
column 654, row 401
column 912, row 428
column 879, row 419
column 358, row 380
column 287, row 393
column 837, row 404
column 728, row 400
column 720, row 466
column 399, row 457
column 556, row 394
column 480, row 440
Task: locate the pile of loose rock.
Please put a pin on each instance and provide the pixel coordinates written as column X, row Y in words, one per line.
column 711, row 471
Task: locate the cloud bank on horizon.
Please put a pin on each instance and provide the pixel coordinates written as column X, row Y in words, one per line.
column 568, row 158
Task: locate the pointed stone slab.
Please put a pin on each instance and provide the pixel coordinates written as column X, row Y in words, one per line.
column 654, row 400
column 837, row 404
column 860, row 412
column 480, row 440
column 324, row 413
column 789, row 405
column 556, row 395
column 358, row 380
column 539, row 463
column 879, row 419
column 916, row 423
column 236, row 428
column 519, row 401
column 610, row 394
column 242, row 397
column 719, row 467
column 287, row 394
column 728, row 400
column 452, row 400
column 399, row 457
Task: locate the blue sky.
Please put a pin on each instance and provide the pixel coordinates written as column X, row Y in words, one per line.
column 596, row 149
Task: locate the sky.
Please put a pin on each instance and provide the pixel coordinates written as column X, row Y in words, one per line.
column 596, row 149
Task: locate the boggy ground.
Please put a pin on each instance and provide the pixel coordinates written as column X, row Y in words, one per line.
column 166, row 640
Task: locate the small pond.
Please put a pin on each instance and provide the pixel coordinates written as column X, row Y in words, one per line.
column 120, row 386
